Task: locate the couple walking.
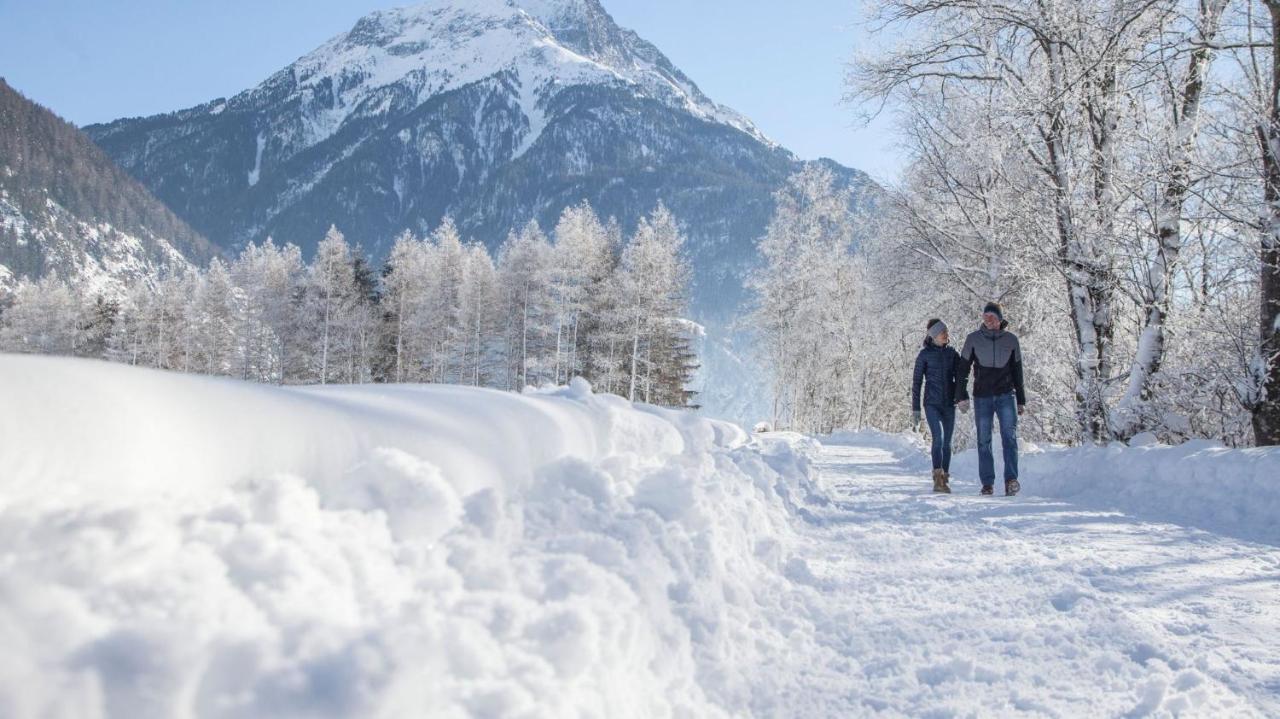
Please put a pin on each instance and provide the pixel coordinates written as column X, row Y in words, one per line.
column 995, row 359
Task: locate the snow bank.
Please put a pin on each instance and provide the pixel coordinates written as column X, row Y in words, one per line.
column 1201, row 484
column 180, row 546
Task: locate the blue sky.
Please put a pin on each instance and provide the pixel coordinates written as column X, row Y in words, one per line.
column 92, row 61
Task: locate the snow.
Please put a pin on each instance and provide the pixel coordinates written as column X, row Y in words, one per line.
column 186, row 546
column 12, row 219
column 534, row 115
column 95, row 256
column 1199, row 483
column 441, row 45
column 960, row 605
column 257, row 160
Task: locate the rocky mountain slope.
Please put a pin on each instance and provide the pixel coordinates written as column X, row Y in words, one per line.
column 66, row 208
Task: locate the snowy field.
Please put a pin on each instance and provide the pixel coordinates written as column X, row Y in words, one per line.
column 178, row 546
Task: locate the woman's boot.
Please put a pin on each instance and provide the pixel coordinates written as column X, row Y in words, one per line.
column 946, row 481
column 938, row 481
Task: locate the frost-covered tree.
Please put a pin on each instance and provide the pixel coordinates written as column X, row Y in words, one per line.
column 805, row 309
column 479, row 318
column 404, row 294
column 271, row 280
column 330, row 298
column 362, row 327
column 583, row 259
column 653, row 284
column 98, row 326
column 525, row 264
column 444, row 336
column 166, row 343
column 214, row 322
column 441, row 311
column 44, row 317
column 1060, row 162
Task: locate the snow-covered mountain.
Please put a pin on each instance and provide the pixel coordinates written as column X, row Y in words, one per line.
column 66, row 208
column 492, row 111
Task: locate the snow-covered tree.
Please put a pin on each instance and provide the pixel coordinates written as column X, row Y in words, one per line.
column 404, row 293
column 444, row 336
column 271, row 280
column 1068, row 158
column 441, row 311
column 329, row 301
column 805, row 306
column 479, row 318
column 214, row 322
column 583, row 261
column 44, row 318
column 524, row 268
column 653, row 285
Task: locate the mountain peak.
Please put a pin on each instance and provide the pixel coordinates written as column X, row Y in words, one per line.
column 441, row 45
column 554, row 14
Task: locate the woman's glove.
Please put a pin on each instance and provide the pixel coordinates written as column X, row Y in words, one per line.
column 915, row 421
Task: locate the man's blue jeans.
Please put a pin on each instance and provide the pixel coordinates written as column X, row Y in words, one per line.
column 985, row 410
column 942, row 425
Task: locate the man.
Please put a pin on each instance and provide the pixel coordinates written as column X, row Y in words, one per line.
column 998, row 393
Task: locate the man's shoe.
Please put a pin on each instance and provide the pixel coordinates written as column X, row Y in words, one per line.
column 1011, row 487
column 987, row 490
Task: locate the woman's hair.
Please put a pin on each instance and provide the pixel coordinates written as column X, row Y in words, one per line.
column 929, row 325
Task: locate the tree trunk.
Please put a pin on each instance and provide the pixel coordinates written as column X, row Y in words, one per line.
column 400, row 339
column 1089, row 309
column 635, row 358
column 1266, row 412
column 524, row 340
column 324, row 344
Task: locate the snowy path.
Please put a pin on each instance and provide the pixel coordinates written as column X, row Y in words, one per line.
column 960, row 605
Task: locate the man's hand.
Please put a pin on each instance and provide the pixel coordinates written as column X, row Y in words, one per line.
column 963, row 406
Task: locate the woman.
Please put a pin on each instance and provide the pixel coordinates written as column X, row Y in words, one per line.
column 936, row 368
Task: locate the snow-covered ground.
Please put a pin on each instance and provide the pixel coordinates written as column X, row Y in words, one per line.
column 960, row 605
column 1235, row 492
column 176, row 546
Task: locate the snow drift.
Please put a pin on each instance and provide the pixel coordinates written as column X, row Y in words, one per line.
column 180, row 546
column 1198, row 484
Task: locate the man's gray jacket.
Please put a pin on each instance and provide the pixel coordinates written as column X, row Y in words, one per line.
column 996, row 361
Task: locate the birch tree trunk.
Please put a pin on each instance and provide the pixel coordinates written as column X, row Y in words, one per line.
column 1087, row 299
column 1129, row 417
